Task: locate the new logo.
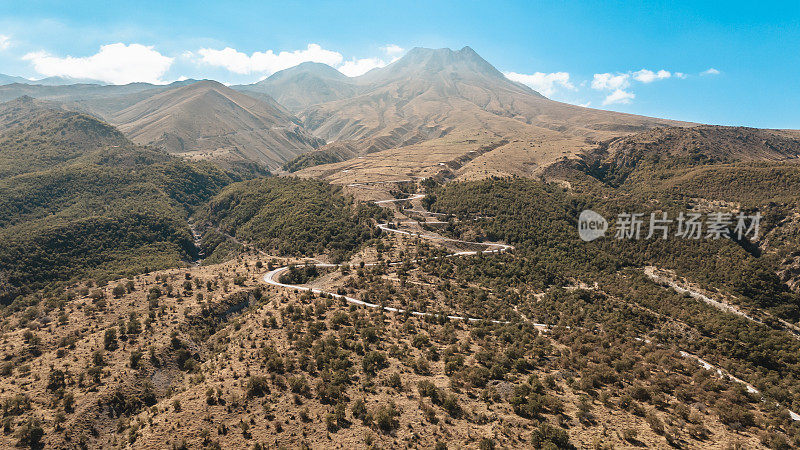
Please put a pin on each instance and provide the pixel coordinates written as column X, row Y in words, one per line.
column 591, row 225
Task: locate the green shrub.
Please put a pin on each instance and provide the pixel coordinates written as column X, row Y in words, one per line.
column 257, row 386
column 547, row 434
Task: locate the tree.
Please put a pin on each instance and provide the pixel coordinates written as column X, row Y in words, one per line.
column 548, row 434
column 30, row 433
column 359, row 409
column 135, row 358
column 385, row 417
column 257, row 386
column 56, row 380
column 374, row 361
column 118, row 291
column 98, row 358
column 134, row 326
column 110, row 340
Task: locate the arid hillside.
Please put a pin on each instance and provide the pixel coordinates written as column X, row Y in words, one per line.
column 304, row 85
column 439, row 108
column 210, row 121
column 429, row 102
column 212, row 357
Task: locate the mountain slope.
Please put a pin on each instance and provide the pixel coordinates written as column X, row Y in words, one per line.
column 713, row 143
column 209, row 120
column 443, row 88
column 38, row 135
column 681, row 149
column 78, row 200
column 440, row 107
column 99, row 100
column 240, row 364
column 702, row 167
column 304, row 85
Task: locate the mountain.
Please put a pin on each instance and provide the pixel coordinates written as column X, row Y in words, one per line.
column 438, row 112
column 208, row 117
column 439, row 88
column 708, row 143
column 208, row 120
column 49, row 81
column 65, row 81
column 65, row 136
column 701, row 167
column 455, row 104
column 304, row 85
column 8, row 79
column 445, row 66
column 432, row 113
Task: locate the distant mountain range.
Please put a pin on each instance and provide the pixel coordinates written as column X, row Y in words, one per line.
column 8, row 79
column 49, row 81
column 427, row 101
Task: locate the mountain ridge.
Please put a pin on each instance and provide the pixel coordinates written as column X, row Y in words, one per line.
column 48, row 81
column 208, row 119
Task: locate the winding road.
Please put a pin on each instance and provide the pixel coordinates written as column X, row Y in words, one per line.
column 272, row 277
column 652, row 273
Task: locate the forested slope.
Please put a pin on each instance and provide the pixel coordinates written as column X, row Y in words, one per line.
column 292, row 216
column 79, row 200
column 540, row 219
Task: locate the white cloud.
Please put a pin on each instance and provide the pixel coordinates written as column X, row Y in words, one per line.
column 392, row 49
column 607, row 81
column 267, row 62
column 356, row 67
column 710, row 71
column 619, row 96
column 5, row 41
column 544, row 83
column 648, row 76
column 619, row 82
column 114, row 63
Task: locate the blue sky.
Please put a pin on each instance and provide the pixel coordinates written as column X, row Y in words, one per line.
column 649, row 58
